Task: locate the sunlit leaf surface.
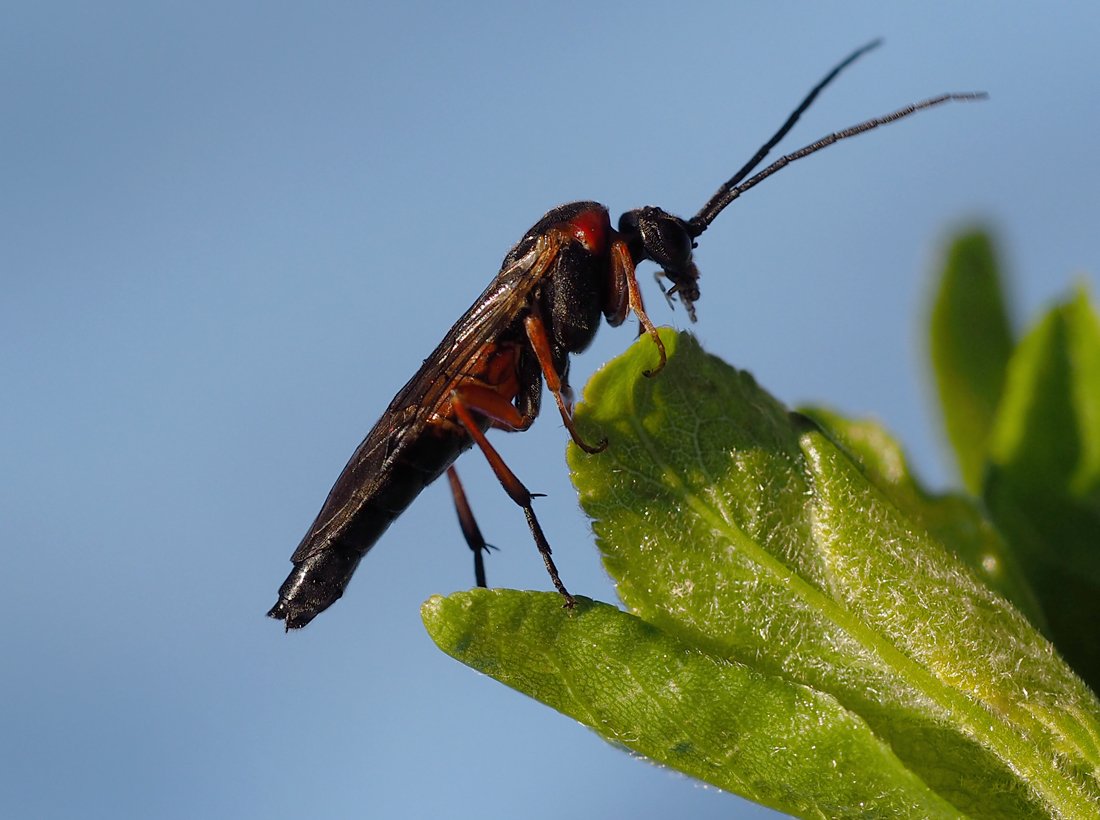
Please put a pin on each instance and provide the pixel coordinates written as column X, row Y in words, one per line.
column 788, row 600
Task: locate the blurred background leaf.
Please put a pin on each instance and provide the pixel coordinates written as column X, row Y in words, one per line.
column 1024, row 424
column 1043, row 481
column 971, row 342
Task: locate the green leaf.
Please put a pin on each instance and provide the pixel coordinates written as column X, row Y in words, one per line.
column 776, row 742
column 1043, row 485
column 748, row 533
column 971, row 344
column 787, row 616
column 956, row 520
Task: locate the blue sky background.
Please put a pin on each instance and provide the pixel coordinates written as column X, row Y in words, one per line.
column 229, row 232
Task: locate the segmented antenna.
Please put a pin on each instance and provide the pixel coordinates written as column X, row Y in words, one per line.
column 733, row 187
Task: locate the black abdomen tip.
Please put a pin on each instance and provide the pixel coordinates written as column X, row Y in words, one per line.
column 314, row 585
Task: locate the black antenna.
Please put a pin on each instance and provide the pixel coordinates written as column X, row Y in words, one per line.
column 731, row 191
column 715, row 205
column 655, row 234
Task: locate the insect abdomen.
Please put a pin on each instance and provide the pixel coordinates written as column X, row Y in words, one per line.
column 321, row 573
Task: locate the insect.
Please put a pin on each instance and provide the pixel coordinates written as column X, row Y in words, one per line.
column 546, row 303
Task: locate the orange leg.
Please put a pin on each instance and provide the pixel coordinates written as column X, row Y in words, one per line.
column 493, row 405
column 512, row 485
column 470, row 529
column 622, row 269
column 540, row 343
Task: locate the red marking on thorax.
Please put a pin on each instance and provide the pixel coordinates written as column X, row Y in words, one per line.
column 592, row 228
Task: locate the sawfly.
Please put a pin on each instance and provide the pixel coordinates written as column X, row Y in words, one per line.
column 546, row 303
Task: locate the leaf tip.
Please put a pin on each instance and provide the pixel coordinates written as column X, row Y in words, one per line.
column 431, row 613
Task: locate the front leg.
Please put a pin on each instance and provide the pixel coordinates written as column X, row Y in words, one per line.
column 540, row 344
